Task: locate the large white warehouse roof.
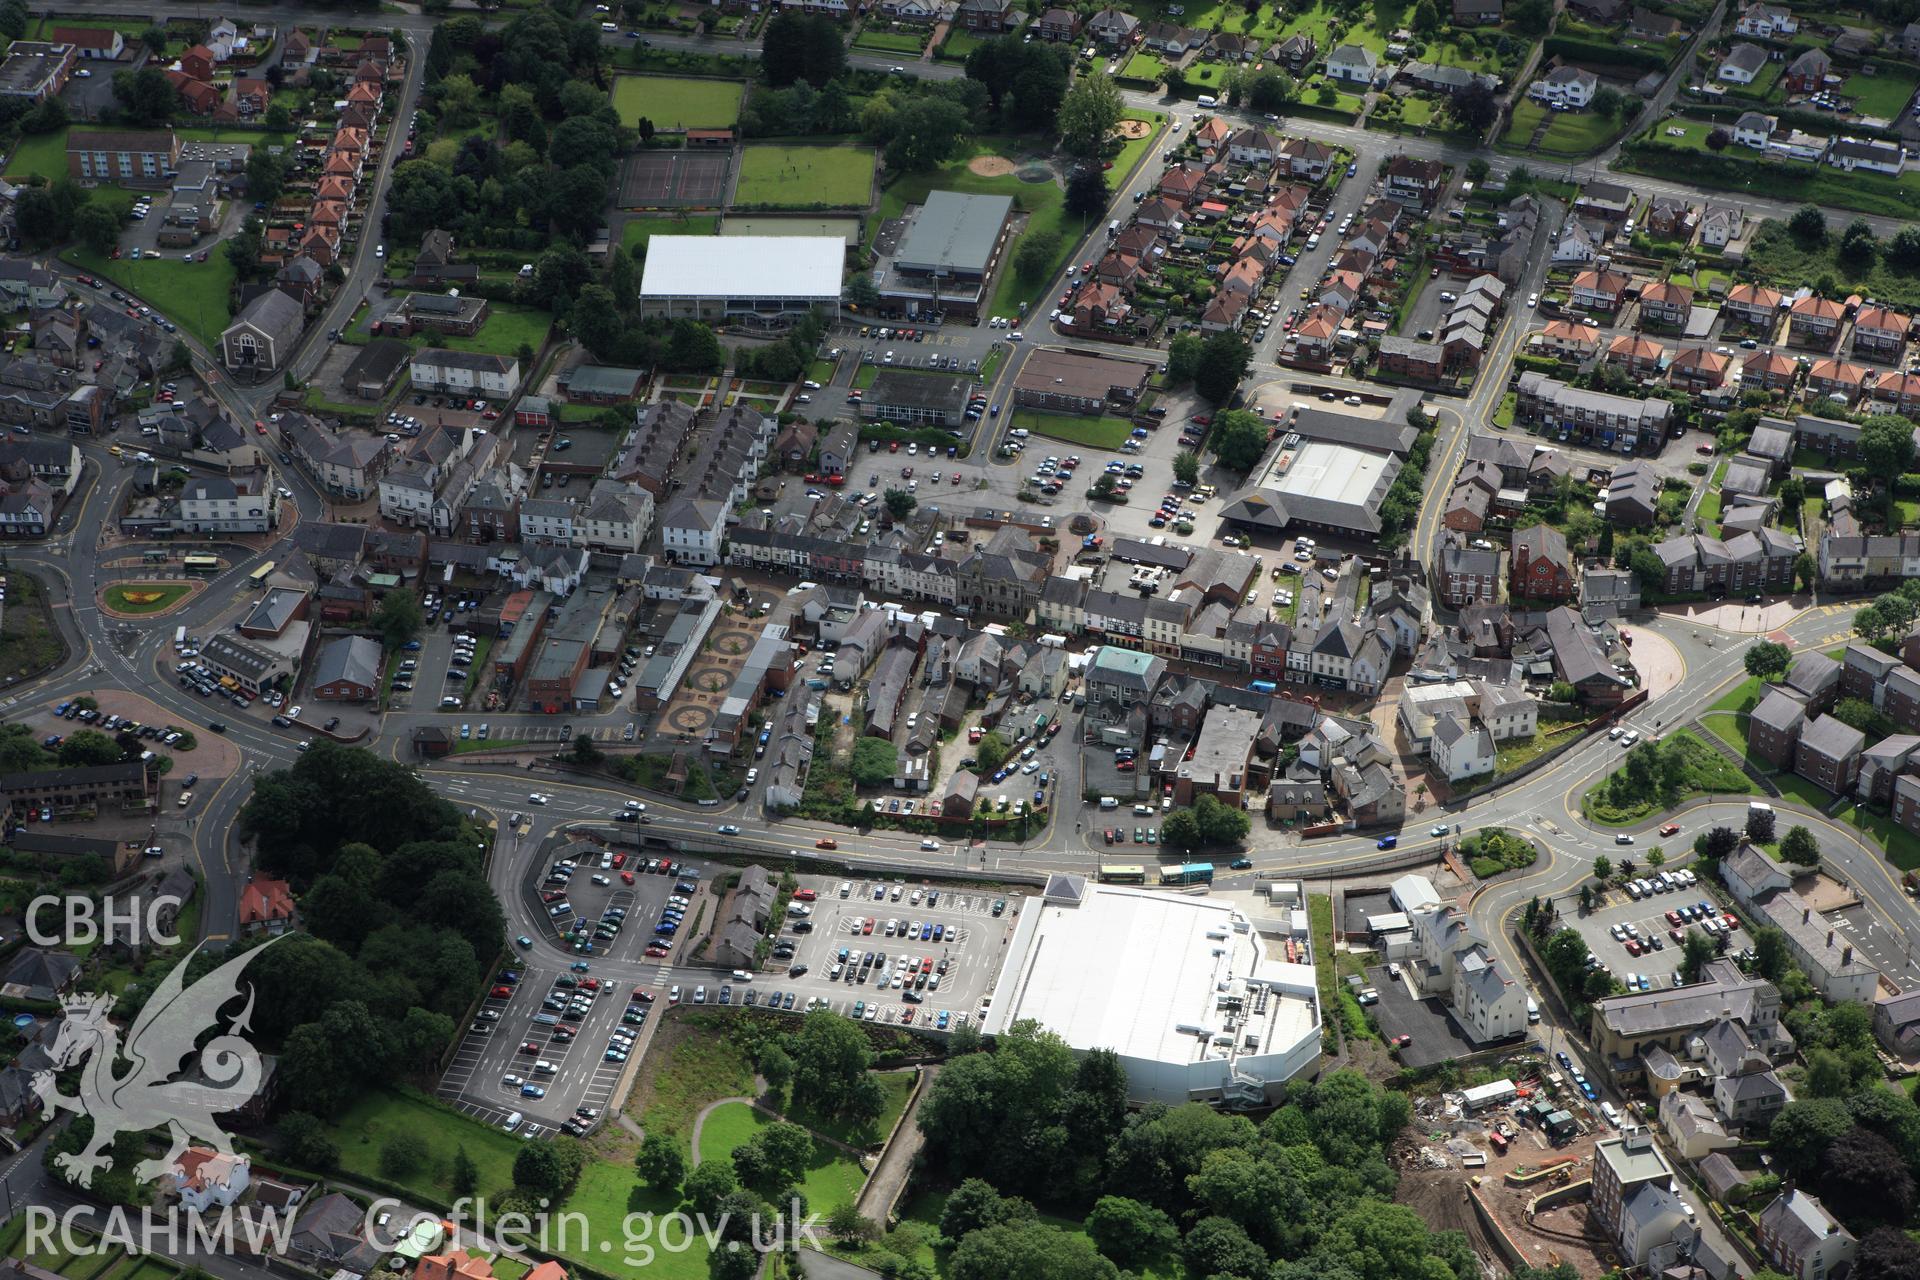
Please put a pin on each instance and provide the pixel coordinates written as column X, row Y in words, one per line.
column 807, row 267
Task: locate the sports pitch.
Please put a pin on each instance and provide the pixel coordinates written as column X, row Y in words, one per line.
column 677, row 102
column 805, row 177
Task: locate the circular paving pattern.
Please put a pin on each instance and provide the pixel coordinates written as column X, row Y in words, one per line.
column 710, row 680
column 690, row 719
column 732, row 644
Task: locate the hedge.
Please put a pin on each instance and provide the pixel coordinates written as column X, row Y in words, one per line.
column 1572, row 49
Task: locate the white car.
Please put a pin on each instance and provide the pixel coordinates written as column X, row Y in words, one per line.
column 537, row 798
column 379, row 251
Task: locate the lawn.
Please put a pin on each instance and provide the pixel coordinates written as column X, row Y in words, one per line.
column 603, row 1198
column 1884, row 94
column 1901, row 846
column 1144, row 66
column 701, row 1065
column 507, row 328
column 805, row 177
column 1728, row 726
column 635, row 233
column 833, row 1178
column 674, row 102
column 1569, row 133
column 1706, row 772
column 377, row 1115
column 146, row 597
column 28, row 642
column 1103, row 432
column 1709, row 509
column 191, row 294
column 891, row 42
column 40, row 156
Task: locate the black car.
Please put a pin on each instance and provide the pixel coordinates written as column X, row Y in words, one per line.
column 803, row 926
column 796, row 970
column 1241, row 864
column 217, row 726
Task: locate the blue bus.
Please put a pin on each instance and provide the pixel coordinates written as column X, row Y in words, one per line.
column 1187, row 873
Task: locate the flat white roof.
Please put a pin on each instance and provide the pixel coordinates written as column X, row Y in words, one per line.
column 744, row 267
column 1138, row 971
column 1330, row 472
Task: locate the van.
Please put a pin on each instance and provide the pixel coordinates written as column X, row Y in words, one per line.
column 1113, row 228
column 1108, row 802
column 1611, row 1112
column 846, row 888
column 512, row 1122
column 1533, row 1010
column 546, row 1019
column 1387, row 842
column 1206, row 100
column 543, row 1068
column 180, row 638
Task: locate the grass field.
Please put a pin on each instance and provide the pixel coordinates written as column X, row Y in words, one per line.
column 506, row 328
column 1707, row 773
column 673, row 102
column 1901, row 846
column 604, row 1196
column 377, row 1115
column 805, row 177
column 1144, row 66
column 635, row 233
column 891, row 42
column 1569, row 133
column 1103, row 432
column 40, row 156
column 28, row 642
column 164, row 596
column 191, row 294
column 833, row 1178
column 1884, row 94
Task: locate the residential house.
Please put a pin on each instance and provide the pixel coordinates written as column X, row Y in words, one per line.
column 1808, row 72
column 1666, row 304
column 1754, row 305
column 1879, row 333
column 1828, row 753
column 1640, row 357
column 1566, row 86
column 1601, row 289
column 1742, row 64
column 1798, row 1237
column 1353, row 64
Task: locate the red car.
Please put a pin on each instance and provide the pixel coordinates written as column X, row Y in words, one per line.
column 1125, row 766
column 1729, row 919
column 866, row 926
column 626, row 877
column 1633, row 946
column 656, row 951
column 804, row 895
column 974, row 735
column 1675, row 919
column 501, row 993
column 906, row 1015
column 1671, row 829
column 259, row 427
column 619, row 860
column 643, row 995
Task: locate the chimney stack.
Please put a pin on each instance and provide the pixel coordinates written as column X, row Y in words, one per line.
column 1846, row 955
column 1806, row 914
column 1829, row 939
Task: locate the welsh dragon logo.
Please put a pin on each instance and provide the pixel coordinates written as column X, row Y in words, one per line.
column 147, row 1096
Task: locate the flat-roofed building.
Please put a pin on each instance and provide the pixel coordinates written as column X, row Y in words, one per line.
column 1078, row 381
column 36, row 69
column 760, row 281
column 948, row 253
column 910, row 398
column 1197, row 1005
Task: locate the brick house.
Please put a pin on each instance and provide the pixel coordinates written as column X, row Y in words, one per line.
column 1542, row 567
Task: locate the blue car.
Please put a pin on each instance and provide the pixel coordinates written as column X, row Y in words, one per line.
column 411, row 646
column 524, row 941
column 664, row 930
column 532, row 1091
column 1565, row 1061
column 580, row 966
column 1588, row 1090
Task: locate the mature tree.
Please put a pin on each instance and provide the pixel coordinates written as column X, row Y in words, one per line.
column 1808, row 224
column 1087, row 191
column 1239, row 439
column 1270, row 92
column 463, row 1177
column 145, row 96
column 548, row 1166
column 801, row 46
column 1027, row 1251
column 97, row 227
column 992, row 751
column 1477, row 106
column 1696, row 948
column 708, row 1184
column 900, row 503
column 44, row 214
column 1857, row 244
column 1183, row 358
column 399, row 618
column 929, row 132
column 1760, row 824
column 1862, row 1171
column 90, row 747
column 305, row 1141
column 1800, row 846
column 402, row 1153
column 1718, row 139
column 1768, row 659
column 14, row 17
column 1886, row 445
column 1530, row 17
column 1886, row 1253
column 1716, row 842
column 1903, row 250
column 829, row 1054
column 1034, row 258
column 975, row 1205
column 1129, row 1232
column 1803, row 1131
column 1223, row 361
column 1602, row 868
column 660, row 1161
column 1186, row 466
column 1088, row 114
column 1181, row 830
column 1221, row 1247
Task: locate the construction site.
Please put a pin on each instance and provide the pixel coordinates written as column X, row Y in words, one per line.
column 1509, row 1163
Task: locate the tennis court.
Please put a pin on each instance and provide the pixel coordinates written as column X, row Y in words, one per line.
column 671, row 179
